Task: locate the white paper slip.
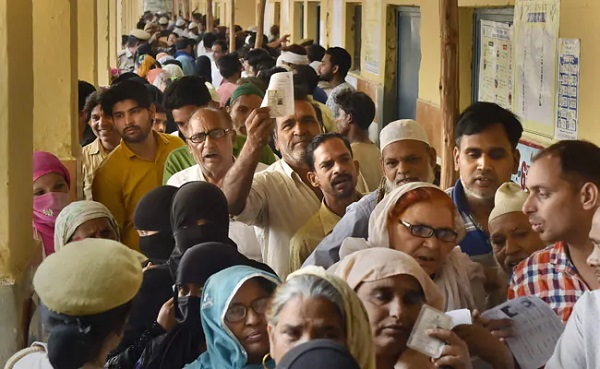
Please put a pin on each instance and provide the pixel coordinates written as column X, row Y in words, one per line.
column 536, row 329
column 460, row 317
column 429, row 318
column 280, row 95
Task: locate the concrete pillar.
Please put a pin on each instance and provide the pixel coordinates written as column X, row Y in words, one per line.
column 55, row 78
column 102, row 36
column 87, row 44
column 114, row 31
column 16, row 130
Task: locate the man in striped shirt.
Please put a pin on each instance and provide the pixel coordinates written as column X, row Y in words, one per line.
column 563, row 184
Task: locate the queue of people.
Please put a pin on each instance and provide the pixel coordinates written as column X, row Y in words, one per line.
column 216, row 235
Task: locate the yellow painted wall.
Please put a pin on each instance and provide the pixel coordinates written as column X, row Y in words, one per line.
column 87, row 43
column 579, row 19
column 103, row 45
column 55, row 78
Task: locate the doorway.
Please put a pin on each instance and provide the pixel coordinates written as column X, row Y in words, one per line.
column 408, row 61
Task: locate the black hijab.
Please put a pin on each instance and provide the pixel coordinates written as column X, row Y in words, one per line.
column 199, row 214
column 184, row 343
column 318, row 354
column 153, row 213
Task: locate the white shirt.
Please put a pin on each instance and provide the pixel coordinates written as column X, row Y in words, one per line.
column 579, row 345
column 33, row 360
column 279, row 204
column 243, row 235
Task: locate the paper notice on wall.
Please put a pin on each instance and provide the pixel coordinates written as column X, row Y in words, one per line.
column 567, row 115
column 495, row 64
column 280, row 95
column 536, row 41
column 536, row 329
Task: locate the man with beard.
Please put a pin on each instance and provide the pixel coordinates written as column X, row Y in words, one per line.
column 136, row 166
column 333, row 170
column 485, row 155
column 279, row 200
column 563, row 184
column 334, row 69
column 406, row 156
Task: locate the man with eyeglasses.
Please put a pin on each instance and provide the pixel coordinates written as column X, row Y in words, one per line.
column 211, row 141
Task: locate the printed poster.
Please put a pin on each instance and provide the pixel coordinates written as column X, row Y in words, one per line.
column 536, row 46
column 528, row 151
column 495, row 64
column 567, row 116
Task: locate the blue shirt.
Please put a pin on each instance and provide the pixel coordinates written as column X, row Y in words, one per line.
column 187, row 62
column 355, row 223
column 477, row 242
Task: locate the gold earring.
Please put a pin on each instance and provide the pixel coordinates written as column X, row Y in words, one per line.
column 266, row 358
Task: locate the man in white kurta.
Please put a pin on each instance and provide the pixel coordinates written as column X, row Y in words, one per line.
column 279, row 200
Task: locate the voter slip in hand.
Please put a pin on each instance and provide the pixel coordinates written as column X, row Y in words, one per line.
column 536, row 329
column 280, row 95
column 429, row 318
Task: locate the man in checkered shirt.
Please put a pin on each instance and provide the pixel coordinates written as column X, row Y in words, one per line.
column 563, row 184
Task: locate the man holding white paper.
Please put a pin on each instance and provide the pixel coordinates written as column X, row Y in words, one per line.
column 279, row 200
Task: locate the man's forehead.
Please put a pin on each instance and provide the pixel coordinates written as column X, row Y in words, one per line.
column 332, row 147
column 206, row 119
column 405, row 147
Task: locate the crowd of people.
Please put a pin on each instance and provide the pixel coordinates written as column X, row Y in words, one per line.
column 214, row 235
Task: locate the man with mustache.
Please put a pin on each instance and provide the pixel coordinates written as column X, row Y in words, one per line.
column 333, row 170
column 485, row 155
column 579, row 345
column 279, row 200
column 563, row 184
column 406, row 156
column 211, row 142
column 136, row 166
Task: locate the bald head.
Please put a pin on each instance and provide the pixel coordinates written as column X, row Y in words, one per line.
column 211, row 141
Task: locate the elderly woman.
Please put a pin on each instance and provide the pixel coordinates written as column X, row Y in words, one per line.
column 313, row 304
column 393, row 288
column 86, row 312
column 84, row 219
column 234, row 302
column 421, row 220
column 185, row 341
column 51, row 183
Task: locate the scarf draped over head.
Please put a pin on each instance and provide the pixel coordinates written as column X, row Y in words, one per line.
column 153, row 73
column 153, row 213
column 223, row 349
column 77, row 213
column 174, row 71
column 379, row 263
column 146, row 64
column 199, row 214
column 292, row 58
column 43, row 221
column 358, row 332
column 184, row 343
column 458, row 274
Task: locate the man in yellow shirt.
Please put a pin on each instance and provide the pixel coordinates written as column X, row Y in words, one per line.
column 333, row 170
column 136, row 166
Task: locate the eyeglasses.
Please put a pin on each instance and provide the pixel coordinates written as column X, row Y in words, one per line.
column 423, row 231
column 213, row 133
column 237, row 313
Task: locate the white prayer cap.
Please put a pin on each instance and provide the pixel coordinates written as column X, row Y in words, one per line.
column 163, row 21
column 400, row 130
column 193, row 25
column 180, row 22
column 510, row 198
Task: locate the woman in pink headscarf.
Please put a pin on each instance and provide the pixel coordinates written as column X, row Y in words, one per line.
column 51, row 183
